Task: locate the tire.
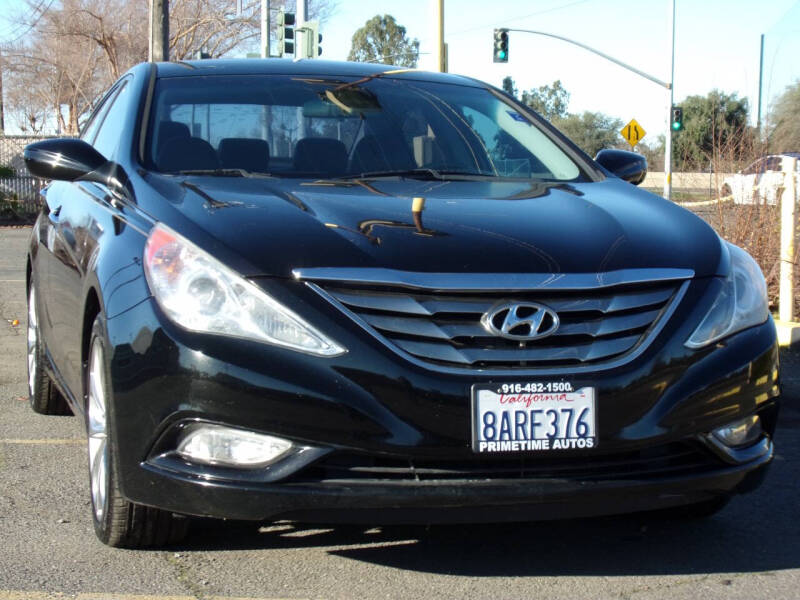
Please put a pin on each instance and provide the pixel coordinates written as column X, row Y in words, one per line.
column 117, row 522
column 43, row 396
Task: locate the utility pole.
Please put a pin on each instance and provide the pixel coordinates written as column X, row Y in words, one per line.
column 159, row 31
column 760, row 82
column 2, row 104
column 668, row 141
column 440, row 49
column 265, row 29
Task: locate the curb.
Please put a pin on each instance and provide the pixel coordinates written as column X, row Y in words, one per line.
column 788, row 334
column 705, row 202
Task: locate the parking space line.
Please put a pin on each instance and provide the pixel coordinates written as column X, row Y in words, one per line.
column 44, row 442
column 36, row 595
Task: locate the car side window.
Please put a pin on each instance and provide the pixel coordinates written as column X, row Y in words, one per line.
column 108, row 136
column 96, row 119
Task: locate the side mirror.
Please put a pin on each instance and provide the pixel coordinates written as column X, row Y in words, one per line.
column 626, row 165
column 64, row 159
column 71, row 159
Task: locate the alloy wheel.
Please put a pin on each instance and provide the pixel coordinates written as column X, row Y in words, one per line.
column 98, row 430
column 33, row 340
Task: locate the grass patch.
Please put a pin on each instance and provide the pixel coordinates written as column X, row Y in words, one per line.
column 14, row 213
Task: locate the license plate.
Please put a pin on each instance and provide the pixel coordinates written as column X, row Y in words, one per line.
column 525, row 417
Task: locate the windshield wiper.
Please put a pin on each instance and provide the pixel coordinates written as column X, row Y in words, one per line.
column 223, row 173
column 417, row 173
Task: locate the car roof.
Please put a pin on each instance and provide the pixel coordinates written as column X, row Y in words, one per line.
column 315, row 67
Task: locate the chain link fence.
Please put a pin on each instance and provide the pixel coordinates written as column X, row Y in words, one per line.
column 20, row 192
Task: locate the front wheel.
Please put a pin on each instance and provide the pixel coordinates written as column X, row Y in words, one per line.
column 117, row 522
column 43, row 396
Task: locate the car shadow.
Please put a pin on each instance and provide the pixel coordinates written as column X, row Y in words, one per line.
column 756, row 532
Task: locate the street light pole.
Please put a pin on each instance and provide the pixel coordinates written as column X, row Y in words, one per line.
column 664, row 84
column 668, row 141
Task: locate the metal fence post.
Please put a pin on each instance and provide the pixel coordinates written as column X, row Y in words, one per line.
column 788, row 203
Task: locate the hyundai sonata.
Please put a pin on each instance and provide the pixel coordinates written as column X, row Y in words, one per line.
column 328, row 291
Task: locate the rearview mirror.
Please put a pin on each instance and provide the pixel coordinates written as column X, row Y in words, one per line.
column 320, row 109
column 64, row 159
column 626, row 165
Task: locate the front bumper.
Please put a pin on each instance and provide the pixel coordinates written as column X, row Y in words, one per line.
column 371, row 404
column 450, row 501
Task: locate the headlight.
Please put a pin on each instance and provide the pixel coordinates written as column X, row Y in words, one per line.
column 201, row 294
column 741, row 303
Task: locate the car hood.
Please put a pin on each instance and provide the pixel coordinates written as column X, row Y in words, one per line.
column 272, row 226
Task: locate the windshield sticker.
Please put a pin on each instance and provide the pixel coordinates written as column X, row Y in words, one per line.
column 517, row 117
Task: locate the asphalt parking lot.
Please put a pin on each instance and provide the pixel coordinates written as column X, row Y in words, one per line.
column 48, row 548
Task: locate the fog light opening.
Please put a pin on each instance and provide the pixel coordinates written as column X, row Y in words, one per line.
column 211, row 444
column 743, row 432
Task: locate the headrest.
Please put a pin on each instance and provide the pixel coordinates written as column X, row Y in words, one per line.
column 322, row 157
column 186, row 154
column 249, row 154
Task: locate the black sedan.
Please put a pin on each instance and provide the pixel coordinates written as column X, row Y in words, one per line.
column 327, row 291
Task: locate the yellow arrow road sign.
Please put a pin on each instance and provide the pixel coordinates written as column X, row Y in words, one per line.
column 633, row 133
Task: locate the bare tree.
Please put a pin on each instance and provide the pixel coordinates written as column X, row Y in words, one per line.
column 53, row 71
column 74, row 49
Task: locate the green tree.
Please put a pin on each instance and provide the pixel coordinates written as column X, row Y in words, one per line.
column 784, row 121
column 592, row 131
column 550, row 101
column 714, row 129
column 509, row 87
column 383, row 40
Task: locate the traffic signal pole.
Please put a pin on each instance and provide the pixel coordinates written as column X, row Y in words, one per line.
column 265, row 28
column 668, row 140
column 300, row 33
column 664, row 84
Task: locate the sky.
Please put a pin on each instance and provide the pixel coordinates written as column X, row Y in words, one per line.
column 716, row 46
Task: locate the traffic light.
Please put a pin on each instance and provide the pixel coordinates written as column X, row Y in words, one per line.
column 677, row 118
column 312, row 39
column 501, row 45
column 285, row 33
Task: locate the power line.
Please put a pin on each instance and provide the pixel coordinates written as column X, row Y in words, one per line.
column 41, row 10
column 519, row 17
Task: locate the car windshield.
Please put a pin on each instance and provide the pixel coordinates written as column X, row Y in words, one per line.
column 346, row 128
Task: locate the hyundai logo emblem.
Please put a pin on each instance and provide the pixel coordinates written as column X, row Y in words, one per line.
column 522, row 321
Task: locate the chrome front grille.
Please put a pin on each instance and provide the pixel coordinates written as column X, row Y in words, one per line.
column 443, row 326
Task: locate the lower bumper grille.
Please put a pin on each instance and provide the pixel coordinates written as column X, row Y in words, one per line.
column 662, row 461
